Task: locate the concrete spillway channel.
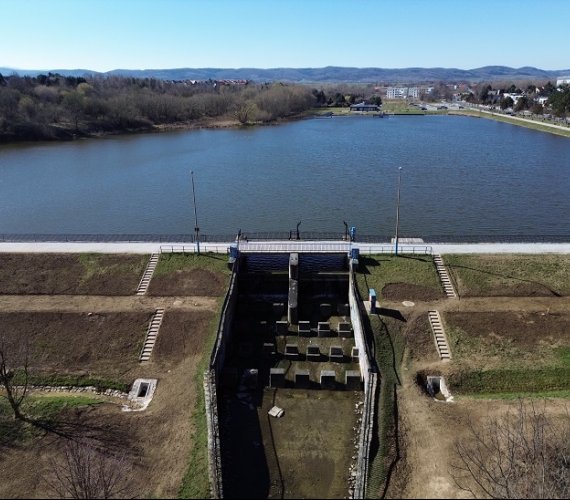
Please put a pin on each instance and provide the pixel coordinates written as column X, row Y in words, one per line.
column 290, row 379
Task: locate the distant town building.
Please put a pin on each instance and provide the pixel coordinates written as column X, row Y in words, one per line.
column 562, row 80
column 402, row 92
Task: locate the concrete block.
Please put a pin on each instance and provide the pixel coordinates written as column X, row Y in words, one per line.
column 302, row 379
column 277, row 377
column 352, row 380
column 336, row 354
column 323, row 329
column 292, row 351
column 313, row 353
column 355, row 354
column 281, row 327
column 328, row 379
column 345, row 329
column 305, row 328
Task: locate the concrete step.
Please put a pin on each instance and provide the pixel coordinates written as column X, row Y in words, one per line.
column 151, row 335
column 147, row 274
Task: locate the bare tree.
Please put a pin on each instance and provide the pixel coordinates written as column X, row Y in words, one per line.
column 86, row 471
column 12, row 358
column 522, row 454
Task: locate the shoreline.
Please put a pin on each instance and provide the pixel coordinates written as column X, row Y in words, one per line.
column 228, row 123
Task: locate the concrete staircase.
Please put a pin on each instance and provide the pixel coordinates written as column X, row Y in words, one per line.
column 147, row 275
column 439, row 336
column 444, row 277
column 151, row 335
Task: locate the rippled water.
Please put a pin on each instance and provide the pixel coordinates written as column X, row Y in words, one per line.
column 460, row 175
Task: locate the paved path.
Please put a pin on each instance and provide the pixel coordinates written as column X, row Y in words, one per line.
column 527, row 120
column 92, row 303
column 365, row 248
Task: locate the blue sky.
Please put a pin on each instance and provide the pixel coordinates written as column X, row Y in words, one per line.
column 151, row 34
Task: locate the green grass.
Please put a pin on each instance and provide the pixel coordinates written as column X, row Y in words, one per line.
column 389, row 347
column 376, row 271
column 94, row 265
column 196, row 480
column 55, row 380
column 40, row 408
column 480, row 275
column 170, row 263
column 498, row 381
column 518, row 395
column 49, row 406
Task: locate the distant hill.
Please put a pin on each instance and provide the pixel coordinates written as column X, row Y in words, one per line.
column 329, row 74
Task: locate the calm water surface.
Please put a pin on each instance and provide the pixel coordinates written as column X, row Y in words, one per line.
column 460, row 176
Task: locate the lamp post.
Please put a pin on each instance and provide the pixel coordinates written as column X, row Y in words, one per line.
column 196, row 228
column 398, row 211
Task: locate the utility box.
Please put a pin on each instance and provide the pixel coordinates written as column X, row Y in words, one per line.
column 354, row 255
column 372, row 299
column 234, row 254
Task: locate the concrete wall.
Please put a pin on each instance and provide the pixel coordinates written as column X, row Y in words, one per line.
column 367, row 369
column 357, row 327
column 211, row 378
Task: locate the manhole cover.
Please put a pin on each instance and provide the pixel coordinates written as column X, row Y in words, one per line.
column 408, row 303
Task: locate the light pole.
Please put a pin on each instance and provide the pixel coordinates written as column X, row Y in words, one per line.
column 398, row 211
column 196, row 228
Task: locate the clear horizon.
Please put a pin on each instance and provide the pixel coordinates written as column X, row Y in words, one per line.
column 102, row 35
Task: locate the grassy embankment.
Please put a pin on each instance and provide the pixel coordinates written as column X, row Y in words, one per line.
column 496, row 274
column 506, row 377
column 389, row 346
column 515, row 353
column 535, row 124
column 195, row 483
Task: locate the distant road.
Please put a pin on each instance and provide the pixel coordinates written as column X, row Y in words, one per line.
column 365, row 248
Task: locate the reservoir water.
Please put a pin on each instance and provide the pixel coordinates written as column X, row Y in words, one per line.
column 460, row 177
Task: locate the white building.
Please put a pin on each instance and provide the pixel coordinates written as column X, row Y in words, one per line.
column 563, row 80
column 402, row 92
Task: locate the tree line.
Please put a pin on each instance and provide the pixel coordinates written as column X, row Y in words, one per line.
column 557, row 98
column 53, row 106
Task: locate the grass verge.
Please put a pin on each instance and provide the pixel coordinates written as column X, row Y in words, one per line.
column 513, row 121
column 388, row 349
column 519, row 381
column 95, row 264
column 196, row 480
column 481, row 275
column 57, row 380
column 170, row 263
column 376, row 271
